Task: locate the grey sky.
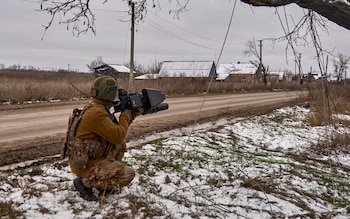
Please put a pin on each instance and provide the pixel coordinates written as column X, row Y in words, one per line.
column 197, row 35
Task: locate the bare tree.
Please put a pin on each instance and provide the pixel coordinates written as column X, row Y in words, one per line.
column 95, row 63
column 154, row 67
column 307, row 28
column 340, row 64
column 78, row 16
column 336, row 11
column 252, row 50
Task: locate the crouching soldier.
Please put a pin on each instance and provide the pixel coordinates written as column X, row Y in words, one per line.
column 96, row 145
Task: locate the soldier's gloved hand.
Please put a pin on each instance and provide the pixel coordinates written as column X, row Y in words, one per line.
column 127, row 111
column 138, row 112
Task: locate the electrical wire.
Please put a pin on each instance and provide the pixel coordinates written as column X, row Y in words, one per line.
column 172, row 34
column 323, row 69
column 204, row 99
column 183, row 29
column 205, row 95
column 218, row 60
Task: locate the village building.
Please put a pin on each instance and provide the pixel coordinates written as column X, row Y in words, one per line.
column 276, row 76
column 237, row 73
column 247, row 73
column 114, row 70
column 149, row 76
column 188, row 69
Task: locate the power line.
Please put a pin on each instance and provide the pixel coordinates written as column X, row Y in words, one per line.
column 168, row 32
column 181, row 28
column 155, row 25
column 218, row 60
column 186, row 30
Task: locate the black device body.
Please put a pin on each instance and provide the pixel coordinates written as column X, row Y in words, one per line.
column 151, row 100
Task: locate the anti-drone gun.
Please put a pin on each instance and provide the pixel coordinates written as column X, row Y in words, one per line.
column 151, row 100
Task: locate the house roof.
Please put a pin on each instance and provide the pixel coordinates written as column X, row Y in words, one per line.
column 225, row 70
column 147, row 76
column 244, row 69
column 186, row 68
column 280, row 74
column 116, row 67
column 120, row 68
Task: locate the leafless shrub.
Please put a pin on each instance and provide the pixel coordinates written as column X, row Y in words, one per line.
column 327, row 101
column 22, row 86
column 32, row 86
column 6, row 211
column 338, row 144
column 260, row 184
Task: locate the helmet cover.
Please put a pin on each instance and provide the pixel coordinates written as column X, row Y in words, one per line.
column 106, row 87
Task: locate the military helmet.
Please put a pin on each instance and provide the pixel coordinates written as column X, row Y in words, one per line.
column 106, row 87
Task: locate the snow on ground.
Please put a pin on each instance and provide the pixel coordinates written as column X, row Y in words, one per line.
column 259, row 167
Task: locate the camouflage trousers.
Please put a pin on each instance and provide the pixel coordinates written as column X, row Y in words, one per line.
column 110, row 173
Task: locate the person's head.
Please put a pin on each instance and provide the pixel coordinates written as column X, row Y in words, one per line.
column 104, row 88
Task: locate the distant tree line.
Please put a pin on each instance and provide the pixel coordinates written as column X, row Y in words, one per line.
column 19, row 67
column 154, row 67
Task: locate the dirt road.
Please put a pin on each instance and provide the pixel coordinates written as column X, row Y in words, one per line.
column 34, row 132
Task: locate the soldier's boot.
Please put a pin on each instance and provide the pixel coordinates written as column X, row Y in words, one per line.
column 85, row 193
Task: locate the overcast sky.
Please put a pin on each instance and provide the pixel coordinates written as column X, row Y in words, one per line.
column 197, row 35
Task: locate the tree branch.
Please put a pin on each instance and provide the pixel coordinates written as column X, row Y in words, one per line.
column 336, row 11
column 77, row 13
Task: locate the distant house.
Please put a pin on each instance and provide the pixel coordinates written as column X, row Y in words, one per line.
column 114, row 70
column 224, row 71
column 147, row 77
column 312, row 76
column 237, row 72
column 188, row 69
column 276, row 76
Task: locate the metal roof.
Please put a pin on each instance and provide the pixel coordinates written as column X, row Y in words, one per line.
column 225, row 70
column 120, row 68
column 147, row 76
column 244, row 69
column 186, row 68
column 116, row 67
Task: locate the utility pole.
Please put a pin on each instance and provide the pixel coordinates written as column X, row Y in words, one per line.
column 260, row 56
column 261, row 68
column 326, row 71
column 299, row 67
column 131, row 75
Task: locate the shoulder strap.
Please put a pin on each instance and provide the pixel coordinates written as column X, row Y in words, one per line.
column 111, row 115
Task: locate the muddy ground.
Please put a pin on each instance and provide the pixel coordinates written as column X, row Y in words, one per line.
column 29, row 149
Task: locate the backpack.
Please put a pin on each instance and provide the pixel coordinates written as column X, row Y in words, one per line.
column 81, row 149
column 73, row 121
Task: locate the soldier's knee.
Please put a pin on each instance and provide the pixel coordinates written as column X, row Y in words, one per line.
column 128, row 176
